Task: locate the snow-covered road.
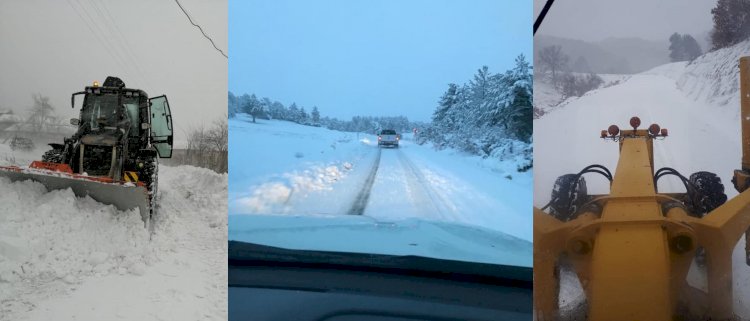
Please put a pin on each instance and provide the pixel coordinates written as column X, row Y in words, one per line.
column 304, row 170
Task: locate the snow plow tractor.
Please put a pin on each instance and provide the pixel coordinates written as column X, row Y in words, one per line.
column 632, row 248
column 113, row 156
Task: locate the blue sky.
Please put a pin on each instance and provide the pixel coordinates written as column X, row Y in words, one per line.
column 380, row 58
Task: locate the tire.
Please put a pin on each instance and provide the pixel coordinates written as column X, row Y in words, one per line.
column 150, row 175
column 53, row 156
column 708, row 194
column 568, row 196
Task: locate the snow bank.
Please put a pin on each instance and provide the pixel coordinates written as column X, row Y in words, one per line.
column 714, row 77
column 57, row 238
column 285, row 164
column 63, row 257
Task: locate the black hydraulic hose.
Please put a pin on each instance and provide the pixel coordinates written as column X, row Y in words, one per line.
column 594, row 168
column 690, row 189
column 671, row 171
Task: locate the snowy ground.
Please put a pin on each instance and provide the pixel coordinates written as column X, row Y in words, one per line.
column 69, row 258
column 292, row 170
column 548, row 98
column 698, row 103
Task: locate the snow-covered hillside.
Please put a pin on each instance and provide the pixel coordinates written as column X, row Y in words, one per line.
column 69, row 258
column 697, row 102
column 280, row 167
column 714, row 77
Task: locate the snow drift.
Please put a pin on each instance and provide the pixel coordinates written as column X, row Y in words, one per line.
column 63, row 257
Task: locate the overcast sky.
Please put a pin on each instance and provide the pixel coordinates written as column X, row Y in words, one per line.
column 56, row 47
column 384, row 57
column 648, row 19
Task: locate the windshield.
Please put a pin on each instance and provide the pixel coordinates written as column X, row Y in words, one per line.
column 131, row 112
column 100, row 110
column 309, row 168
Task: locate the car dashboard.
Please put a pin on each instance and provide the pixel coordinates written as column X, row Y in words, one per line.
column 267, row 283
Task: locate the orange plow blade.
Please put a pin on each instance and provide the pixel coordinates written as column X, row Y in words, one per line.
column 123, row 196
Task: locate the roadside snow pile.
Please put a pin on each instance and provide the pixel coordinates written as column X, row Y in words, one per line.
column 55, row 238
column 59, row 253
column 268, row 197
column 287, row 163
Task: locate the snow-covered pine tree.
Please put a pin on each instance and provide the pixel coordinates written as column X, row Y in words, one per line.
column 293, row 113
column 232, row 105
column 520, row 108
column 315, row 116
column 446, row 102
column 304, row 118
column 731, row 23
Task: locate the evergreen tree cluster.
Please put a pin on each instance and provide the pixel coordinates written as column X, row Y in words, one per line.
column 731, row 23
column 267, row 109
column 683, row 47
column 370, row 125
column 490, row 116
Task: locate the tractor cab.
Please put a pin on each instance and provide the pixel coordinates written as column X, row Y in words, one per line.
column 118, row 128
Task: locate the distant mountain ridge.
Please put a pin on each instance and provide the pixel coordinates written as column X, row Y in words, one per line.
column 609, row 56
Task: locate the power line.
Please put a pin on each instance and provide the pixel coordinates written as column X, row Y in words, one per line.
column 103, row 44
column 103, row 34
column 542, row 14
column 119, row 38
column 201, row 29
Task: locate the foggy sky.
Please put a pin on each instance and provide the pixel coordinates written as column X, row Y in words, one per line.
column 47, row 48
column 594, row 20
column 379, row 58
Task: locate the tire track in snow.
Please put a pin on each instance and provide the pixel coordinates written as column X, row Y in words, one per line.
column 419, row 182
column 360, row 202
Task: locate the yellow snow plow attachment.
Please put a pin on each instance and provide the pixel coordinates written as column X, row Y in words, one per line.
column 632, row 248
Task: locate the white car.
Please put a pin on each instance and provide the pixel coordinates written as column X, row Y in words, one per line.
column 388, row 137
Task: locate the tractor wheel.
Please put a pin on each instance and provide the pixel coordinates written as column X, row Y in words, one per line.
column 568, row 196
column 150, row 176
column 708, row 194
column 53, row 156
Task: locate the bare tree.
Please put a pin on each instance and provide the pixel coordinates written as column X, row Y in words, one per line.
column 42, row 113
column 552, row 59
column 207, row 147
column 218, row 139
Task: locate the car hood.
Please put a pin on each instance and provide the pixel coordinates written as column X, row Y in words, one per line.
column 362, row 234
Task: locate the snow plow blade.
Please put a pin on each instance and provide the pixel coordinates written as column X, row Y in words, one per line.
column 121, row 195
